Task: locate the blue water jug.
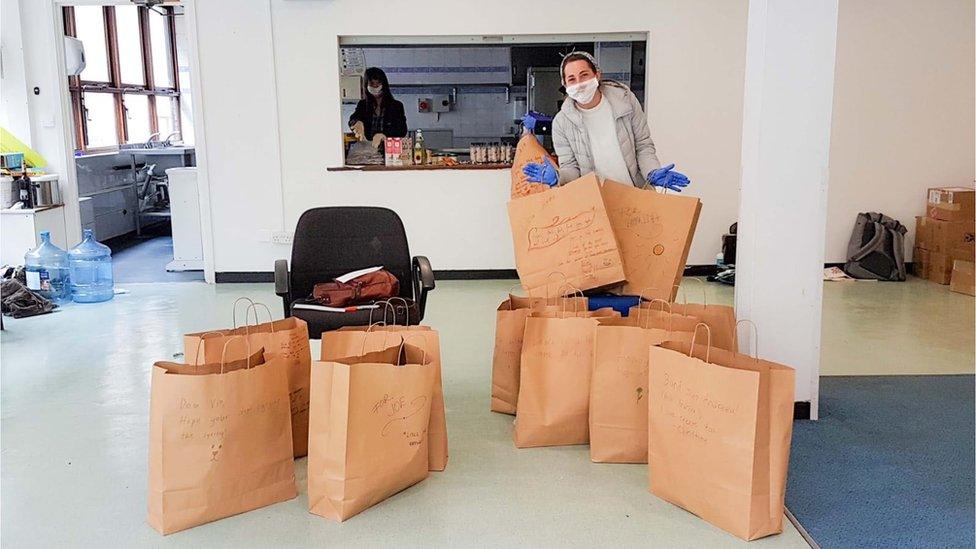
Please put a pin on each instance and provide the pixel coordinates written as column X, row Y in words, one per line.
column 46, row 269
column 91, row 271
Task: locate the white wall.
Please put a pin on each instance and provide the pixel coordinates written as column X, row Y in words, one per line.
column 903, row 114
column 237, row 89
column 255, row 95
column 13, row 80
column 903, row 117
column 50, row 118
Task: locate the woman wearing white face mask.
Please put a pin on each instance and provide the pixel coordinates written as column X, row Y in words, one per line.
column 603, row 130
column 379, row 112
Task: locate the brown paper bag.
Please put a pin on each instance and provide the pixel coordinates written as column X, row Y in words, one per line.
column 528, row 150
column 355, row 340
column 368, row 429
column 720, row 319
column 659, row 314
column 506, row 357
column 653, row 231
column 287, row 339
column 219, row 438
column 554, row 382
column 719, row 433
column 618, row 390
column 565, row 230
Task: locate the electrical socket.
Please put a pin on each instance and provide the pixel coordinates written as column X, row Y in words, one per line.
column 282, row 237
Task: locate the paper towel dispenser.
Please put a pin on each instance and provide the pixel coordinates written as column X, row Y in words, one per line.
column 74, row 56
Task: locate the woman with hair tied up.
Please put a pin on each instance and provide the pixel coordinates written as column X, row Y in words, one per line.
column 379, row 112
column 603, row 130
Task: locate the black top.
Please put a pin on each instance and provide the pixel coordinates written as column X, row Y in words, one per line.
column 393, row 117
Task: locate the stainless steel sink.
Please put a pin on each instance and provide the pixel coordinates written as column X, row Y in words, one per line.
column 140, row 148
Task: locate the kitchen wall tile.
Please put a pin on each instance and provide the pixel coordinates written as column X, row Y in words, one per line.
column 452, row 57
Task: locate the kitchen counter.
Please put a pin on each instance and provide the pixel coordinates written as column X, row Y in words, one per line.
column 39, row 209
column 382, row 168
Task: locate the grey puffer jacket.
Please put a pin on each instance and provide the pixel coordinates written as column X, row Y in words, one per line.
column 572, row 143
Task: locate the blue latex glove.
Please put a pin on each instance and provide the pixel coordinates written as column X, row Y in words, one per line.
column 541, row 173
column 531, row 118
column 668, row 178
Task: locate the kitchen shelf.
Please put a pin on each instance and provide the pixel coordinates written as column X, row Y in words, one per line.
column 423, row 167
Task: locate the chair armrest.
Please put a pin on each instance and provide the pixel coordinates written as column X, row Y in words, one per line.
column 423, row 282
column 426, row 275
column 281, row 281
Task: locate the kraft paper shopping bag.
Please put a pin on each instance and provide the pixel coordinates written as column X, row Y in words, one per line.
column 506, row 356
column 654, row 232
column 658, row 313
column 719, row 428
column 554, row 381
column 618, row 390
column 338, row 343
column 720, row 319
column 368, row 429
column 219, row 437
column 287, row 339
column 564, row 230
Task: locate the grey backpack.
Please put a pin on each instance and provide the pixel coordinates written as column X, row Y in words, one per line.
column 877, row 248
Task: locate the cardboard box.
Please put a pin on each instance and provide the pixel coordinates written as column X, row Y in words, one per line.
column 963, row 277
column 934, row 266
column 921, row 262
column 398, row 151
column 392, row 150
column 951, row 203
column 940, row 267
column 943, row 236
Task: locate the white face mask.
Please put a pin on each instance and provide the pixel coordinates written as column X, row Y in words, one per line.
column 375, row 91
column 583, row 92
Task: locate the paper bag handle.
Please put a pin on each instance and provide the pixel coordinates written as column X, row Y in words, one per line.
column 548, row 279
column 708, row 344
column 234, row 312
column 406, row 309
column 513, row 286
column 700, row 285
column 223, row 353
column 574, row 294
column 196, row 359
column 651, row 304
column 253, row 306
column 386, row 305
column 755, row 339
column 369, row 329
column 423, row 348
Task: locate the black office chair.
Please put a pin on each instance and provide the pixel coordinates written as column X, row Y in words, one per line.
column 331, row 242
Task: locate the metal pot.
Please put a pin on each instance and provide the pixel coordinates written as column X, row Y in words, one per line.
column 46, row 192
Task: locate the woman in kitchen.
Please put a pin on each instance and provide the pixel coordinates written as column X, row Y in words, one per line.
column 379, row 112
column 603, row 130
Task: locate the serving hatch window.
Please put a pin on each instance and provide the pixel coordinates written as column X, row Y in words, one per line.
column 462, row 97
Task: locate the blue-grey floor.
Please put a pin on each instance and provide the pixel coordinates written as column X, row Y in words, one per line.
column 144, row 259
column 889, row 464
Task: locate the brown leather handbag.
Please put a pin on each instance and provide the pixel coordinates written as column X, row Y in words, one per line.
column 365, row 288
